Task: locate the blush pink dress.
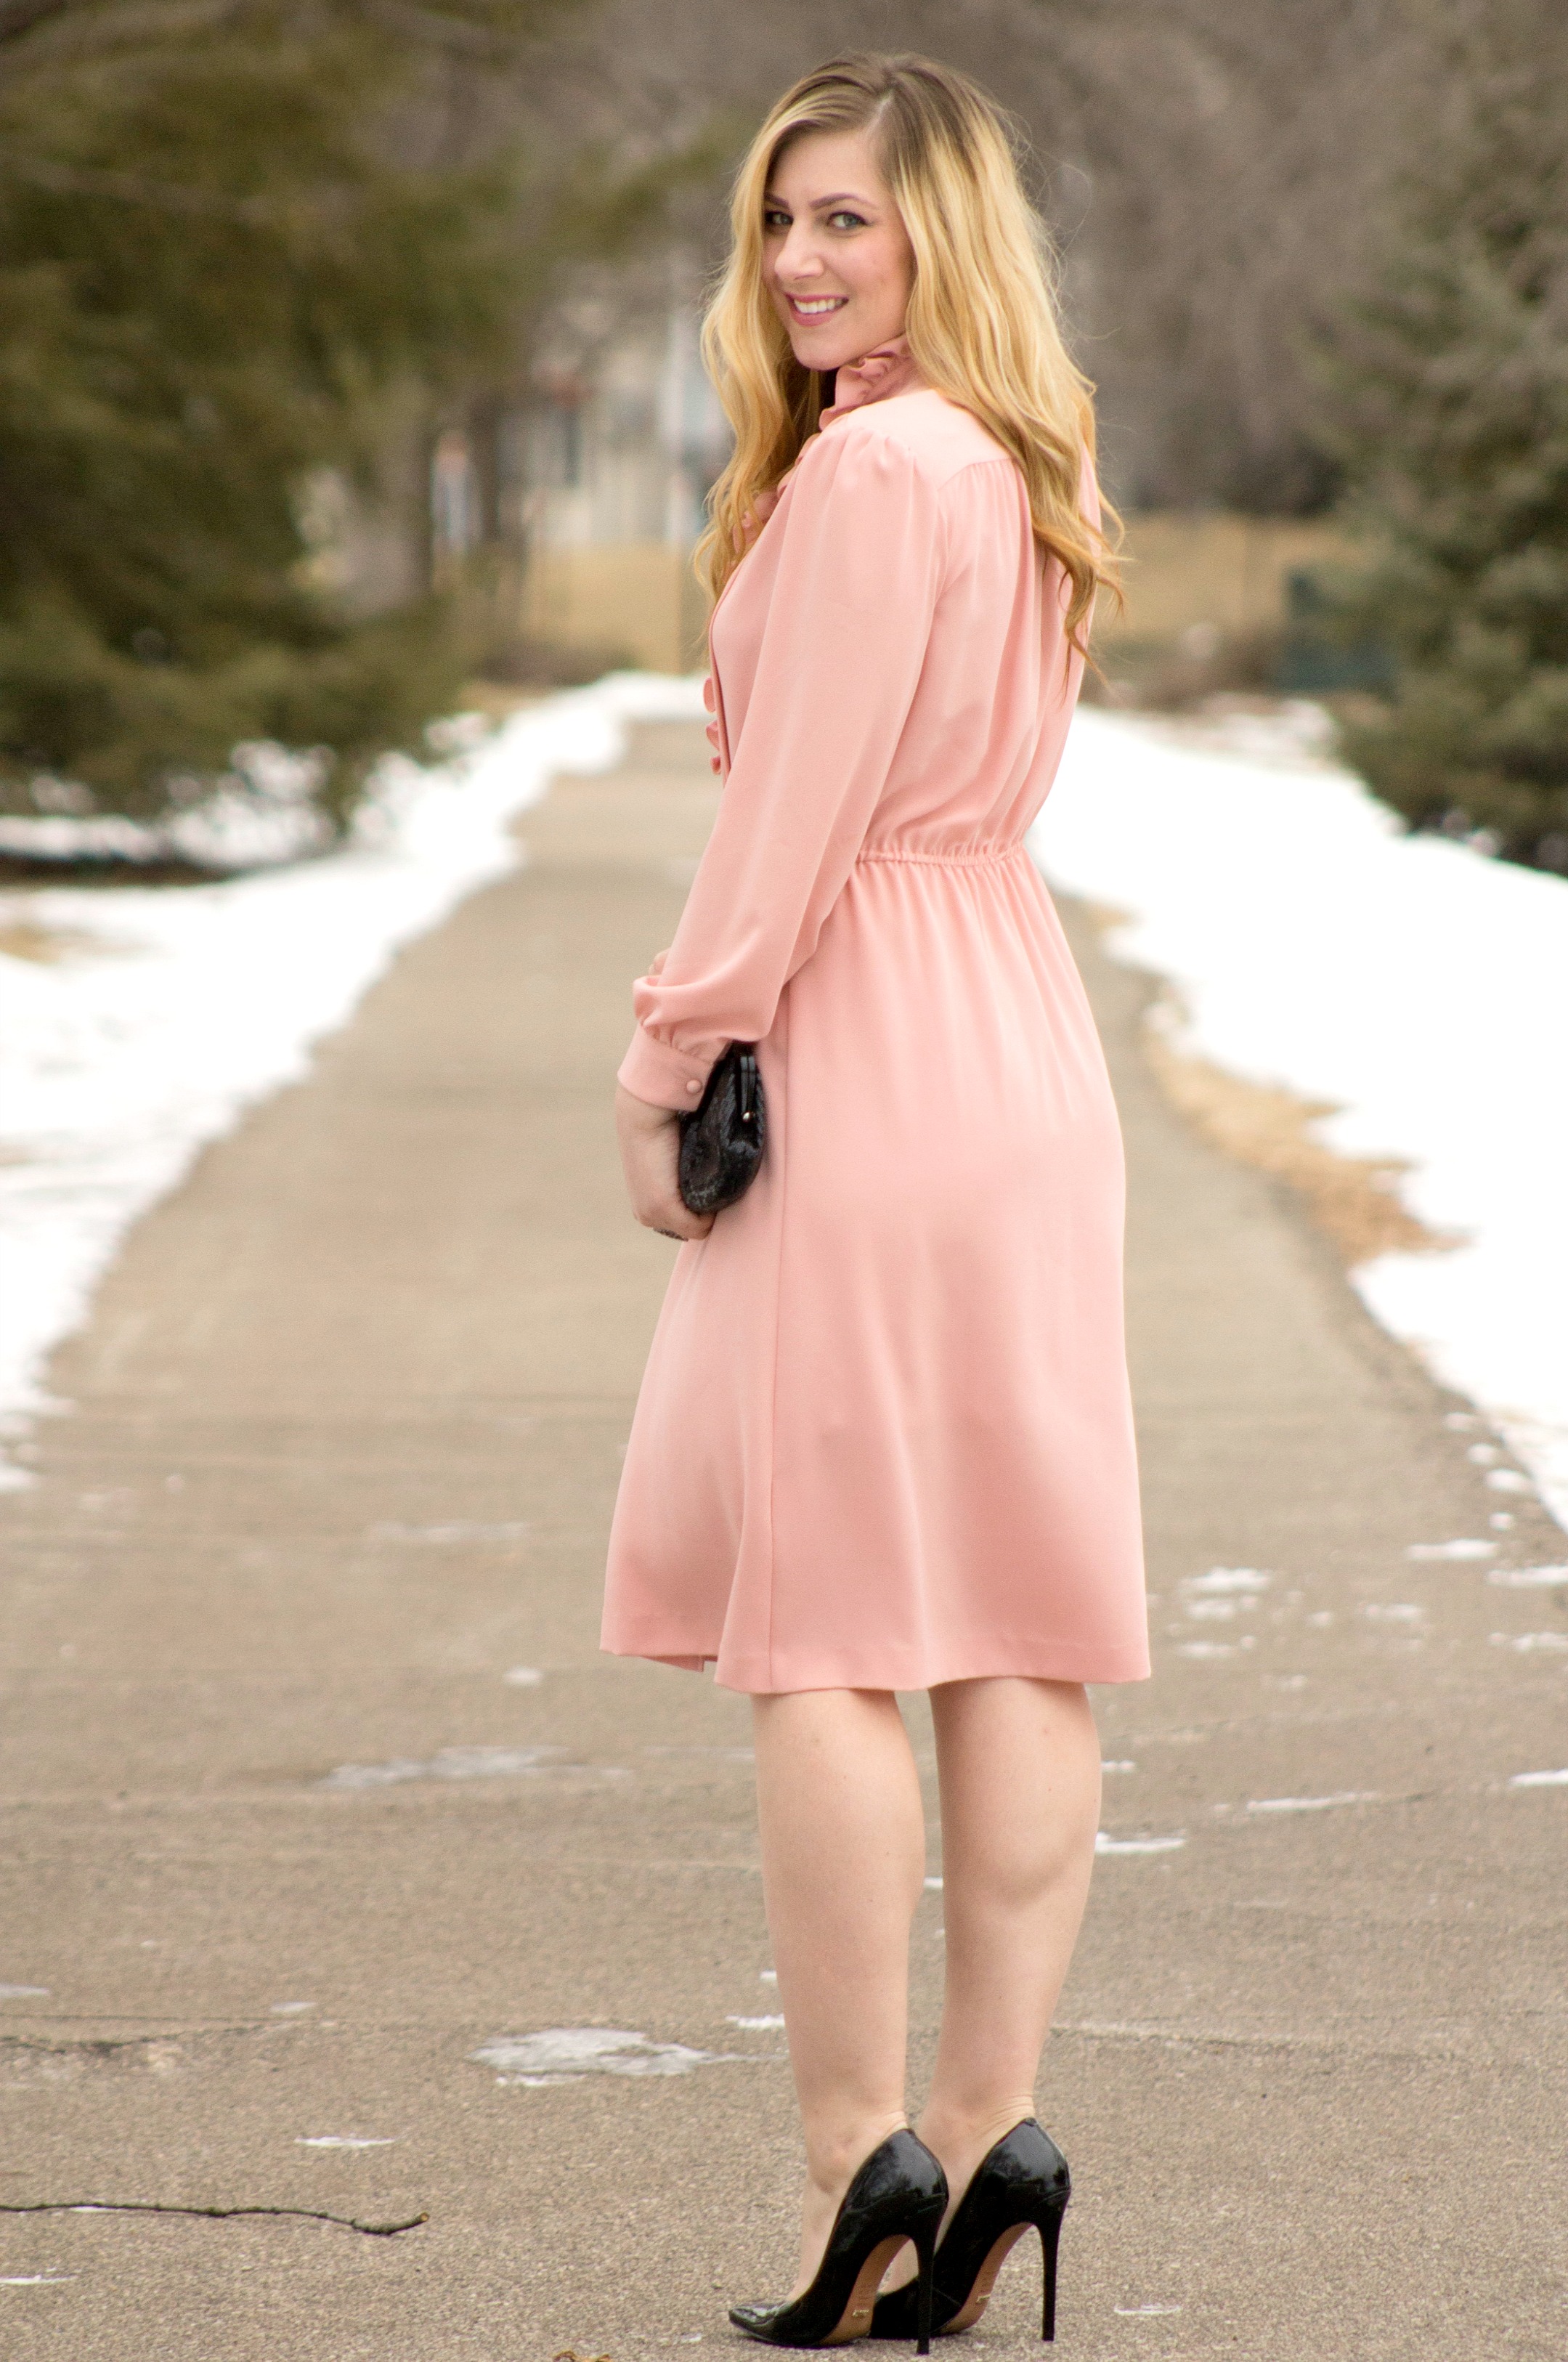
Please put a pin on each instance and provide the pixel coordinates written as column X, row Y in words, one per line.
column 884, row 1440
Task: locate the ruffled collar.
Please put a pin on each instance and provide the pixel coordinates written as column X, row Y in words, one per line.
column 878, row 376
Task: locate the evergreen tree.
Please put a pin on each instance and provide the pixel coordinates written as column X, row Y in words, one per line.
column 1451, row 409
column 226, row 243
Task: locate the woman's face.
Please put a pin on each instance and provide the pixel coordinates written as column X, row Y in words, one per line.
column 836, row 256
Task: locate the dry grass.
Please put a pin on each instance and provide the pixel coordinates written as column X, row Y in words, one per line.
column 23, row 939
column 1351, row 1199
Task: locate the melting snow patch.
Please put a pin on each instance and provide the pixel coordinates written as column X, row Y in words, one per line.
column 343, row 2140
column 1139, row 2311
column 35, row 2280
column 934, row 1885
column 1205, row 1649
column 1122, row 1766
column 464, row 1763
column 1103, row 1844
column 290, row 2008
column 1396, row 1612
column 719, row 1754
column 1311, row 1804
column 1453, row 1549
column 24, row 1992
column 757, row 2024
column 562, row 2054
column 1527, row 1642
column 523, row 1677
column 1224, row 1593
column 457, row 1532
column 1528, row 1578
column 1539, row 1780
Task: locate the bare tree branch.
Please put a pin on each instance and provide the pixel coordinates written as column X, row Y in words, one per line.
column 457, row 34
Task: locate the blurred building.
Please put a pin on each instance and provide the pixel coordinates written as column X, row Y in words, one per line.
column 1214, row 600
column 619, row 451
column 574, row 509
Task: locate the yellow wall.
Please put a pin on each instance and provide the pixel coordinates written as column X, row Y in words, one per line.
column 636, row 598
column 1227, row 570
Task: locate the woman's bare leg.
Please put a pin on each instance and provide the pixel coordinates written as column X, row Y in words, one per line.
column 1018, row 1764
column 843, row 1858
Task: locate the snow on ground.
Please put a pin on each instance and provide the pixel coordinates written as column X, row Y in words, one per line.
column 262, row 810
column 1412, row 982
column 165, row 1012
column 1415, row 984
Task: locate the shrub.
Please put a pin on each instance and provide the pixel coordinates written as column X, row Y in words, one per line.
column 1450, row 414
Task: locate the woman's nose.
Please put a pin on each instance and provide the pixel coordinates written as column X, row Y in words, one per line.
column 797, row 257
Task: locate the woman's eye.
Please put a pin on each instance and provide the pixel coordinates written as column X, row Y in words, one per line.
column 775, row 218
column 847, row 221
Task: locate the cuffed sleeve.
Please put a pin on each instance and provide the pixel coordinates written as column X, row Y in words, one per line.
column 849, row 615
column 664, row 1076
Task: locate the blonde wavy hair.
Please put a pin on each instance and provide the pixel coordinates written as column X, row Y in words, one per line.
column 981, row 324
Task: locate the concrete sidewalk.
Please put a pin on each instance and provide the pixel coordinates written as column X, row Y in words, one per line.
column 293, row 1832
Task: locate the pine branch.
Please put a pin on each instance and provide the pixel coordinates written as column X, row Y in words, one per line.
column 19, row 17
column 39, row 36
column 131, row 188
column 60, row 32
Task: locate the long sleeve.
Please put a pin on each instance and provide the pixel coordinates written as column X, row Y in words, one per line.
column 844, row 637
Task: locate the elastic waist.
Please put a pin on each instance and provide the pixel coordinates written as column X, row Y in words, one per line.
column 958, row 857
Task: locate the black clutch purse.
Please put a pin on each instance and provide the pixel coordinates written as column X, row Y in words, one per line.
column 722, row 1143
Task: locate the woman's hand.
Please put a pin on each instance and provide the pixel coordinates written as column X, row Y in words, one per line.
column 650, row 1149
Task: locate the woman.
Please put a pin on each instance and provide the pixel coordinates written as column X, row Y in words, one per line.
column 884, row 1440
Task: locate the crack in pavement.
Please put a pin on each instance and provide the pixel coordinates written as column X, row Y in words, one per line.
column 209, row 2213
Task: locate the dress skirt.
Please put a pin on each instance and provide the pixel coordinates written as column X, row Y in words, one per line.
column 884, row 1440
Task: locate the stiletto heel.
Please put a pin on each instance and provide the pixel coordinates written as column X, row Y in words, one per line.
column 1050, row 2236
column 925, row 2288
column 1021, row 2183
column 900, row 2193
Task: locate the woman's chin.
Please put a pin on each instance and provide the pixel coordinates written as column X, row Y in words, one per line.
column 814, row 351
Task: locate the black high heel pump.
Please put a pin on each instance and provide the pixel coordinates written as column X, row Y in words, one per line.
column 900, row 2193
column 1022, row 2183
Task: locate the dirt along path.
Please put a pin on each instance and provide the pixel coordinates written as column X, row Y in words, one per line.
column 322, row 1811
